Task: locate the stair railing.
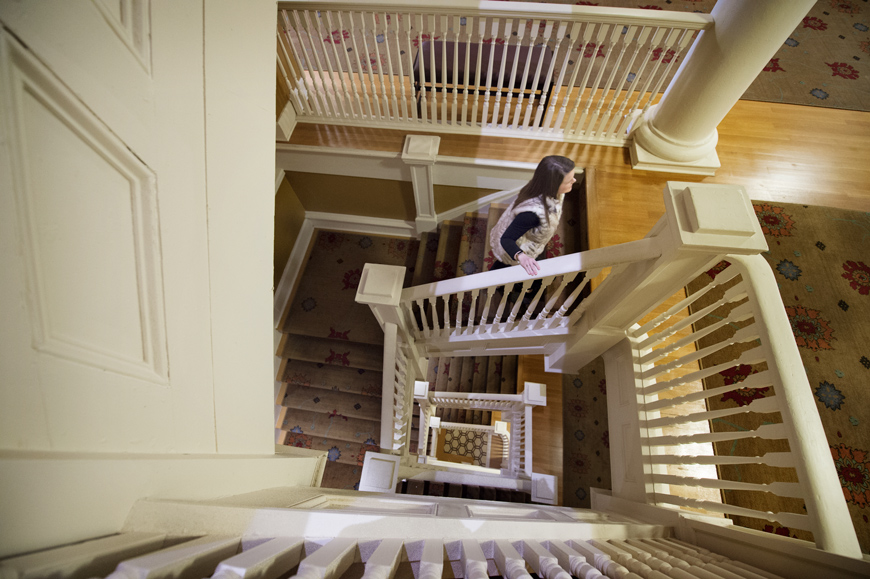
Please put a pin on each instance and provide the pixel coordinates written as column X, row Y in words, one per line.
column 703, row 224
column 738, row 333
column 568, row 73
column 516, row 411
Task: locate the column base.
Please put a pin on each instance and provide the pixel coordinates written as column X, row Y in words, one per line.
column 644, row 160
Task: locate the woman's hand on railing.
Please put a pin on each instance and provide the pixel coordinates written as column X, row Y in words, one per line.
column 529, row 264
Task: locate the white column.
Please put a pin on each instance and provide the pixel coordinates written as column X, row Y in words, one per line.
column 419, row 154
column 679, row 133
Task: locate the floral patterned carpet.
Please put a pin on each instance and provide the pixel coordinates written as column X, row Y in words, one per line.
column 821, row 260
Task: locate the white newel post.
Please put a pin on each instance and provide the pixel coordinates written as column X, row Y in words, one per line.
column 380, row 288
column 419, row 154
column 679, row 133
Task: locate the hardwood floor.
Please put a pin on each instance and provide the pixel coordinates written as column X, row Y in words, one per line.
column 784, row 153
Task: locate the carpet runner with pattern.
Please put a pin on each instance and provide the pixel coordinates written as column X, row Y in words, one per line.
column 332, row 347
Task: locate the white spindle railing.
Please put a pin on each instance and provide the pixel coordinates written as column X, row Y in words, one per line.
column 428, row 552
column 398, row 379
column 664, row 354
column 436, row 313
column 569, row 73
column 754, row 343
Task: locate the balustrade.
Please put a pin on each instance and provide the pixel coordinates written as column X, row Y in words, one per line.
column 330, row 558
column 571, row 73
column 655, row 361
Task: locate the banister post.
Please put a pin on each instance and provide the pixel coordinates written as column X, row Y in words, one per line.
column 419, row 153
column 380, row 287
column 679, row 133
column 701, row 223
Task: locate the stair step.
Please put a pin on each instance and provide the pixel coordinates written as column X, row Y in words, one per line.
column 329, row 351
column 329, row 377
column 321, row 424
column 339, row 404
column 472, row 245
column 448, row 251
column 492, row 217
column 342, row 451
column 424, row 269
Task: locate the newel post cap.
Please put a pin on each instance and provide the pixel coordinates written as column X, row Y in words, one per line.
column 713, row 217
column 380, row 284
column 420, row 149
column 535, row 394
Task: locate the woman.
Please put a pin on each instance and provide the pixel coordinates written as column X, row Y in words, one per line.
column 520, row 237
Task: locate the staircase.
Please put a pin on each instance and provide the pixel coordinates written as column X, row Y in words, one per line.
column 332, row 348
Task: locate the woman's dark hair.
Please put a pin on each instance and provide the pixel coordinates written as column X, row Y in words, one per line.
column 547, row 179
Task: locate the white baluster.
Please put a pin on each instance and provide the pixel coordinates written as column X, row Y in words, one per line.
column 369, row 65
column 270, row 559
column 455, row 104
column 458, row 327
column 587, row 36
column 478, row 81
column 573, row 561
column 521, row 31
column 329, row 561
column 542, row 317
column 336, row 94
column 626, row 560
column 444, row 79
column 197, row 557
column 582, row 127
column 626, row 39
column 510, row 563
column 409, row 51
column 421, row 67
column 469, row 32
column 557, row 87
column 90, row 558
column 646, row 78
column 318, row 96
column 432, row 559
column 548, row 29
column 493, row 36
column 350, row 92
column 542, row 562
column 291, row 79
column 433, row 93
column 608, row 131
column 602, row 561
column 384, row 561
column 482, row 323
column 473, row 560
column 526, row 67
column 391, row 75
column 361, row 74
column 471, row 311
column 325, row 81
column 506, row 37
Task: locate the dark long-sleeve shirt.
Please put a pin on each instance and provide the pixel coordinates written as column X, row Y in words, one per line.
column 522, row 223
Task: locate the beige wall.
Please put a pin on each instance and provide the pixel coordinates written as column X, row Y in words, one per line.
column 447, row 197
column 289, row 216
column 354, row 195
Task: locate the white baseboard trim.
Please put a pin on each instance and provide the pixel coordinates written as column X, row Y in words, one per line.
column 291, row 271
column 361, row 224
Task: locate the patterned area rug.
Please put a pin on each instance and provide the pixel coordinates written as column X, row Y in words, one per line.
column 820, row 259
column 822, row 63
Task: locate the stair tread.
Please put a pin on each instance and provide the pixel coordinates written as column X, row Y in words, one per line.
column 448, row 251
column 342, row 451
column 330, row 351
column 472, row 245
column 426, row 254
column 340, row 404
column 329, row 377
column 320, row 424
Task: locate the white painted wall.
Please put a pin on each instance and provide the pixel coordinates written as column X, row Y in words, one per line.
column 136, row 221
